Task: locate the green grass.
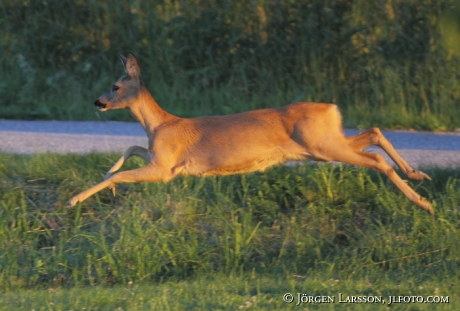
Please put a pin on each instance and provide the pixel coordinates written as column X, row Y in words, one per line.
column 214, row 243
column 240, row 291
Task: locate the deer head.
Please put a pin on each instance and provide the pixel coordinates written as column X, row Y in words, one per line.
column 125, row 90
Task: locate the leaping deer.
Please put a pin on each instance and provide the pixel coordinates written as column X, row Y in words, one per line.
column 239, row 143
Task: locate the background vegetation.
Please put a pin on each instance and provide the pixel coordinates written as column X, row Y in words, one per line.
column 386, row 63
column 210, row 243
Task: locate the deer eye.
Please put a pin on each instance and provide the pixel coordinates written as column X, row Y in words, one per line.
column 115, row 88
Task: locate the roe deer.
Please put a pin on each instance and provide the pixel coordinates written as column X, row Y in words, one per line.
column 239, row 143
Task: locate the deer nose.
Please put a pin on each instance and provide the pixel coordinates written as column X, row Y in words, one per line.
column 99, row 105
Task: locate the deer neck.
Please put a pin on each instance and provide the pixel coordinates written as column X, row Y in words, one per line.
column 149, row 114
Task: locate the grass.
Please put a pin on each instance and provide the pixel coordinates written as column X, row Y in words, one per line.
column 220, row 242
column 248, row 291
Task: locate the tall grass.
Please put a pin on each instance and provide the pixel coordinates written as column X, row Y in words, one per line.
column 390, row 63
column 336, row 220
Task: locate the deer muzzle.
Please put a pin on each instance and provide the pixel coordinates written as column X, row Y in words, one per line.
column 100, row 105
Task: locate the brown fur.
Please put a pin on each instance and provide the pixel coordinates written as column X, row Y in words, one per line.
column 241, row 143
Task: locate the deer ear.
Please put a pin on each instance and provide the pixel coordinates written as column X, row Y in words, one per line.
column 123, row 61
column 132, row 66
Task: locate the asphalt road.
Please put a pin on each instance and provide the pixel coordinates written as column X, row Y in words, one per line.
column 30, row 137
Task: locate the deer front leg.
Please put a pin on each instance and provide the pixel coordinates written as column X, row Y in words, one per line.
column 131, row 151
column 150, row 173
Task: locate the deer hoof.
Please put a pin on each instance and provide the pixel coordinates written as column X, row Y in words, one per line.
column 418, row 175
column 425, row 205
column 74, row 201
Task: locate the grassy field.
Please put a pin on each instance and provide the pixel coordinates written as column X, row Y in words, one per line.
column 222, row 243
column 391, row 64
column 244, row 291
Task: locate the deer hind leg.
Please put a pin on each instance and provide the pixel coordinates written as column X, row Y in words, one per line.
column 149, row 173
column 131, row 151
column 374, row 137
column 350, row 155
